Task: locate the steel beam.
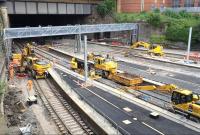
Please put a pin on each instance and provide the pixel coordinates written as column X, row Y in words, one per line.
column 11, row 33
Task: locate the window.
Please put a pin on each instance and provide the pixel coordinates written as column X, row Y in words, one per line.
column 199, row 3
column 189, row 3
column 175, row 3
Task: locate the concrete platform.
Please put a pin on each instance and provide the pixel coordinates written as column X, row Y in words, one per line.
column 93, row 114
column 111, row 102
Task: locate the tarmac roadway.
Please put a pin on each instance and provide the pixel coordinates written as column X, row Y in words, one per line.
column 181, row 80
column 130, row 118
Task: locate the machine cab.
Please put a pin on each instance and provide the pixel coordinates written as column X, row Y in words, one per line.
column 181, row 97
column 184, row 96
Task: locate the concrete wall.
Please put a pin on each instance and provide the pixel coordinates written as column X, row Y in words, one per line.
column 18, row 7
column 65, row 1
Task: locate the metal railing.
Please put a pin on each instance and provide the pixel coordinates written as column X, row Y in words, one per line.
column 187, row 9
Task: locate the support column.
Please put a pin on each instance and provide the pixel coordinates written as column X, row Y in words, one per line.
column 7, row 43
column 78, row 44
column 85, row 58
column 119, row 6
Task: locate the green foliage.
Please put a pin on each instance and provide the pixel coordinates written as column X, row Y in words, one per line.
column 157, row 10
column 185, row 14
column 154, row 19
column 106, row 7
column 158, row 39
column 177, row 23
column 172, row 14
column 179, row 30
column 196, row 34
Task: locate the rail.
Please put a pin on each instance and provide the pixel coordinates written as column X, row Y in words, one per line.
column 161, row 111
column 62, row 113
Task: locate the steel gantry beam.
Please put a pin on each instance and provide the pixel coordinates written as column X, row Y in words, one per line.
column 26, row 32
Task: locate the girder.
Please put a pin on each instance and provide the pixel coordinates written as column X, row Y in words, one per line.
column 26, row 32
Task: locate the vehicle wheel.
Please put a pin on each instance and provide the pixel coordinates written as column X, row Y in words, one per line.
column 46, row 74
column 105, row 74
column 188, row 116
column 195, row 119
column 35, row 102
column 34, row 74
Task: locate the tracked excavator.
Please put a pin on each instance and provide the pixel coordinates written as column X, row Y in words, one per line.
column 152, row 49
column 28, row 62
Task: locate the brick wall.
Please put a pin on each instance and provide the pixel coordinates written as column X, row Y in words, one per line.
column 135, row 5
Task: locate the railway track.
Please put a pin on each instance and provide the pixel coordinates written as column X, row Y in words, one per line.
column 167, row 54
column 67, row 120
column 155, row 97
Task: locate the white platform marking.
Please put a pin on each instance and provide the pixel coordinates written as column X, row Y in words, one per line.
column 126, row 122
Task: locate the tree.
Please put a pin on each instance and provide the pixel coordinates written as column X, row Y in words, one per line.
column 196, row 34
column 106, row 8
column 154, row 19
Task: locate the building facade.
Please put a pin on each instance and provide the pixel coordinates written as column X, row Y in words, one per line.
column 147, row 5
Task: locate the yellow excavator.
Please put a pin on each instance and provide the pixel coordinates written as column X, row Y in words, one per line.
column 140, row 44
column 152, row 49
column 28, row 50
column 186, row 102
column 37, row 67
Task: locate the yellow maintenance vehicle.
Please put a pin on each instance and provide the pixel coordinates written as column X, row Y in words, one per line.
column 182, row 100
column 140, row 44
column 28, row 50
column 187, row 102
column 156, row 50
column 152, row 49
column 78, row 66
column 16, row 59
column 107, row 68
column 37, row 67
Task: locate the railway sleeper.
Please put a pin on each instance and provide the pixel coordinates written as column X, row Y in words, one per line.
column 57, row 122
column 62, row 129
column 70, row 124
column 60, row 126
column 74, row 126
column 55, row 118
column 61, row 110
column 65, row 116
column 64, row 132
column 80, row 132
column 71, row 120
column 55, row 101
column 78, row 129
column 67, row 119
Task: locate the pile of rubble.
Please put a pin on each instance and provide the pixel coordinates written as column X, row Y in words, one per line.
column 17, row 113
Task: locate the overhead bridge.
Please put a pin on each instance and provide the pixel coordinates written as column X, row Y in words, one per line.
column 50, row 7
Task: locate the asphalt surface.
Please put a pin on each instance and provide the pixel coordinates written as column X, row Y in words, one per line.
column 181, row 80
column 112, row 107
